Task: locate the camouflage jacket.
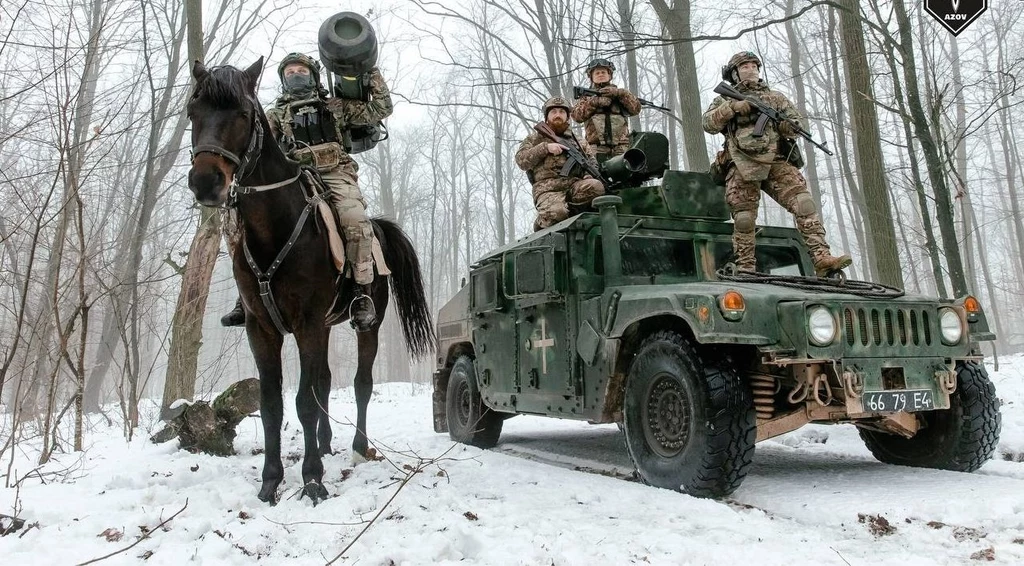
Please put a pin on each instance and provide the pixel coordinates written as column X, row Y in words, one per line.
column 345, row 112
column 544, row 169
column 753, row 156
column 605, row 119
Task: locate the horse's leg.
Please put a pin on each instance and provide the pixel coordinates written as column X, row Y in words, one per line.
column 324, row 433
column 367, row 346
column 266, row 349
column 312, row 344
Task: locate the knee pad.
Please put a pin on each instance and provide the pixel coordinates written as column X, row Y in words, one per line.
column 804, row 205
column 744, row 220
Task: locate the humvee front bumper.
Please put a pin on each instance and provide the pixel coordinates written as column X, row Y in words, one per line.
column 875, row 385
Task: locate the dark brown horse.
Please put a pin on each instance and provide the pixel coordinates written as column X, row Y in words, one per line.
column 236, row 162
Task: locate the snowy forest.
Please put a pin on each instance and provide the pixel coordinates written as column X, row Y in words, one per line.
column 113, row 279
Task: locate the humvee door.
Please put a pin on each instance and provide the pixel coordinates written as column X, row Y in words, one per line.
column 536, row 280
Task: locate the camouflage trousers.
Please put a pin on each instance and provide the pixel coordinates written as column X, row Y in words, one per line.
column 786, row 185
column 355, row 225
column 553, row 204
column 605, row 152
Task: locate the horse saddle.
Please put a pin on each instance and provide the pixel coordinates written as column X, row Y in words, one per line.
column 344, row 286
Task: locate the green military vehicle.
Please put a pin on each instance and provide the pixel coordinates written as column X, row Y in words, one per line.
column 631, row 315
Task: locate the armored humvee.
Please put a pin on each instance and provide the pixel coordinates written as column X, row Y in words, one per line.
column 630, row 315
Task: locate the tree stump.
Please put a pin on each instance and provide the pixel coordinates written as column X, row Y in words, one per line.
column 211, row 429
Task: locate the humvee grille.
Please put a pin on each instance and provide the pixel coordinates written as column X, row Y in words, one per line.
column 888, row 326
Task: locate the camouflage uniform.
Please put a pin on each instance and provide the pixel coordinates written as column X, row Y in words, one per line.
column 552, row 193
column 606, row 118
column 757, row 166
column 338, row 170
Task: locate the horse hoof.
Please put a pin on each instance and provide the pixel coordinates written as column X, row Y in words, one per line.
column 268, row 493
column 315, row 491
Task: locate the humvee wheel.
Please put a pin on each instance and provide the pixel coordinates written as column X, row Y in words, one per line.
column 469, row 420
column 689, row 424
column 960, row 438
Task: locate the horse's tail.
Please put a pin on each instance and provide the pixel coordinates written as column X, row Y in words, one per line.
column 407, row 289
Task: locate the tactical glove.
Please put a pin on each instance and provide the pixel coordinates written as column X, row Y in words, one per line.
column 786, row 129
column 740, row 107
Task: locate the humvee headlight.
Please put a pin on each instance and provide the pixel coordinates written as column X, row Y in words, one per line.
column 951, row 326
column 732, row 305
column 821, row 326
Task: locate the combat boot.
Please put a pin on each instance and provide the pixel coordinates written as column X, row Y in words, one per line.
column 236, row 317
column 362, row 315
column 827, row 264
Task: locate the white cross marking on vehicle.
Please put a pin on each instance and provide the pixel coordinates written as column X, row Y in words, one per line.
column 544, row 343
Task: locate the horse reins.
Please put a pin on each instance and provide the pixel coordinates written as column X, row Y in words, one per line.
column 241, row 164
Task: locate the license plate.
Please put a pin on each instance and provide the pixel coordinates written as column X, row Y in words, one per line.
column 892, row 401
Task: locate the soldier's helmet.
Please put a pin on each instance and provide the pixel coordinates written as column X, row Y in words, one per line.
column 729, row 70
column 598, row 63
column 556, row 102
column 303, row 59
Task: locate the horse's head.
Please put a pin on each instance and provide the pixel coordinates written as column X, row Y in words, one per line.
column 226, row 129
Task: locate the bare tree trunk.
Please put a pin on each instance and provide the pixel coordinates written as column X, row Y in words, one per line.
column 677, row 21
column 671, row 85
column 497, row 144
column 960, row 162
column 187, row 327
column 868, row 147
column 628, row 34
column 922, row 129
column 856, row 203
column 557, row 85
column 795, row 56
column 1011, row 159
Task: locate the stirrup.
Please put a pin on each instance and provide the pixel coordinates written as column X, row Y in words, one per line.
column 362, row 326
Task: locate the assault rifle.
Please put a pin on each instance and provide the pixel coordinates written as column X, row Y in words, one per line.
column 579, row 92
column 767, row 113
column 574, row 153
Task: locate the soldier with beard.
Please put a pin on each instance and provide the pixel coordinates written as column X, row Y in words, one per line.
column 757, row 164
column 309, row 125
column 606, row 117
column 543, row 155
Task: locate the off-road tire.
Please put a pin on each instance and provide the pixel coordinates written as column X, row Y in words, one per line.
column 961, row 438
column 689, row 422
column 469, row 420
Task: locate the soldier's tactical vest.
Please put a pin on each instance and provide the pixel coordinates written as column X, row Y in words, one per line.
column 613, row 108
column 311, row 123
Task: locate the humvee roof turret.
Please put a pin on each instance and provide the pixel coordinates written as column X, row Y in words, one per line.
column 630, row 315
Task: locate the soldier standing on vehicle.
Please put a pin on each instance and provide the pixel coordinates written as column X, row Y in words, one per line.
column 757, row 164
column 543, row 155
column 310, row 127
column 606, row 117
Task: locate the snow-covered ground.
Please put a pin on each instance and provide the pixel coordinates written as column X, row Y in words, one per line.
column 552, row 492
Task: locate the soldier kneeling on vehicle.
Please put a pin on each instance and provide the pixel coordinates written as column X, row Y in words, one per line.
column 560, row 166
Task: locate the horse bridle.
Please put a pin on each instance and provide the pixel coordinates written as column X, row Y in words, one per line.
column 245, row 161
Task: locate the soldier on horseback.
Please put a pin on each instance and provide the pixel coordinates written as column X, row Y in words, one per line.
column 311, row 127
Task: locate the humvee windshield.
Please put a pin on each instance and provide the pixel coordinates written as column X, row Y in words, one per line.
column 649, row 256
column 771, row 259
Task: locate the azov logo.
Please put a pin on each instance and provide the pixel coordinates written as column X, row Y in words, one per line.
column 955, row 15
